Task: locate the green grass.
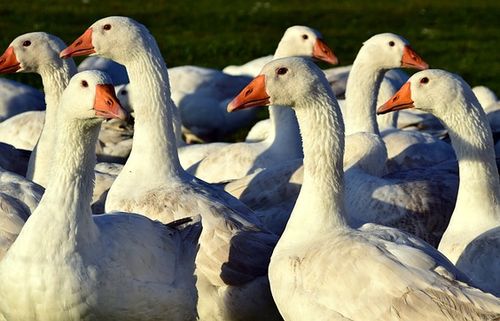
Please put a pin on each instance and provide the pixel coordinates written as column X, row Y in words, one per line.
column 459, row 36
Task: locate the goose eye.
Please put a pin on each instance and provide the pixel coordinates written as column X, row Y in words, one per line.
column 305, row 37
column 27, row 43
column 85, row 83
column 107, row 26
column 424, row 80
column 124, row 92
column 281, row 71
column 391, row 43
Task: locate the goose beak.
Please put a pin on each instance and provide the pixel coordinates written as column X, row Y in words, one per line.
column 321, row 51
column 8, row 62
column 411, row 59
column 253, row 95
column 400, row 100
column 80, row 47
column 106, row 105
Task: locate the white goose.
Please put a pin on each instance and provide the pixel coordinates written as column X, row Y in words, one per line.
column 472, row 238
column 67, row 264
column 378, row 54
column 322, row 269
column 283, row 142
column 234, row 252
column 407, row 200
column 37, row 52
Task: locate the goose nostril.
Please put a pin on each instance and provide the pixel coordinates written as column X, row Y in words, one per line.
column 395, row 98
column 109, row 102
column 78, row 43
column 249, row 91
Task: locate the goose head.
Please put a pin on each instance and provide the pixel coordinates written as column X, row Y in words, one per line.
column 388, row 51
column 113, row 37
column 434, row 91
column 306, row 42
column 282, row 82
column 90, row 97
column 30, row 52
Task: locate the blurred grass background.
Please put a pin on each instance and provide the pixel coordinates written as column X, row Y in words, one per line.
column 459, row 36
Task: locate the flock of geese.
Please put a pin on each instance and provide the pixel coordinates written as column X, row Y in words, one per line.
column 326, row 212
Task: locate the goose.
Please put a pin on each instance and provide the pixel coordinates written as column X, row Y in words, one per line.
column 283, row 142
column 37, row 52
column 234, row 248
column 472, row 239
column 322, row 269
column 378, row 54
column 111, row 266
column 403, row 199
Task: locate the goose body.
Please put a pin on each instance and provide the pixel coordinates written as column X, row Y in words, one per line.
column 321, row 268
column 201, row 94
column 16, row 98
column 23, row 130
column 117, row 72
column 472, row 238
column 112, row 266
column 250, row 69
column 18, row 199
column 234, row 249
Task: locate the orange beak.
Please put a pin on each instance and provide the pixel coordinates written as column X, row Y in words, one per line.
column 80, row 47
column 253, row 95
column 8, row 62
column 411, row 59
column 400, row 100
column 321, row 51
column 106, row 104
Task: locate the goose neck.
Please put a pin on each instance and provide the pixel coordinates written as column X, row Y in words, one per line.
column 479, row 188
column 64, row 214
column 154, row 138
column 362, row 88
column 55, row 77
column 320, row 205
